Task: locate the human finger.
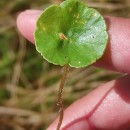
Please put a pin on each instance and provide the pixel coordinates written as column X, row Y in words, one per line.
column 117, row 53
column 106, row 108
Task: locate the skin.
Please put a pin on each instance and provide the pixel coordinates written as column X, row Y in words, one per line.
column 107, row 107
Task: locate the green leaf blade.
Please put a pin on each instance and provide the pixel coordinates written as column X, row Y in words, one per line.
column 71, row 33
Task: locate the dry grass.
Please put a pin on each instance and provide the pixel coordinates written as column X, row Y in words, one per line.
column 28, row 84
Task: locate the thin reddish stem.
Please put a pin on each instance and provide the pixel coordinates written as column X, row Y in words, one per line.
column 60, row 100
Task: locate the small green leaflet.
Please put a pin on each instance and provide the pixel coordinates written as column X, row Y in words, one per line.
column 71, row 34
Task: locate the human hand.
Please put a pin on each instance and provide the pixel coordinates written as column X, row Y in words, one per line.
column 107, row 107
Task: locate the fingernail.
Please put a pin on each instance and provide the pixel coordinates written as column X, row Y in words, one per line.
column 80, row 125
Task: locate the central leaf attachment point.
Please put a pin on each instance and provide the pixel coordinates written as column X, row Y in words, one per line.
column 62, row 36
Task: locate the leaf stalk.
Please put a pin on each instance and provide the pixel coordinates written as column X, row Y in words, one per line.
column 60, row 93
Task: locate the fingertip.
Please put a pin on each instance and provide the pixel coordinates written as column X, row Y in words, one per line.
column 26, row 22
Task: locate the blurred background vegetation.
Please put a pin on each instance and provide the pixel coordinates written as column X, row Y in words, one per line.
column 28, row 84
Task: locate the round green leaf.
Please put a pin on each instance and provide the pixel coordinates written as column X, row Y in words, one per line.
column 71, row 33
